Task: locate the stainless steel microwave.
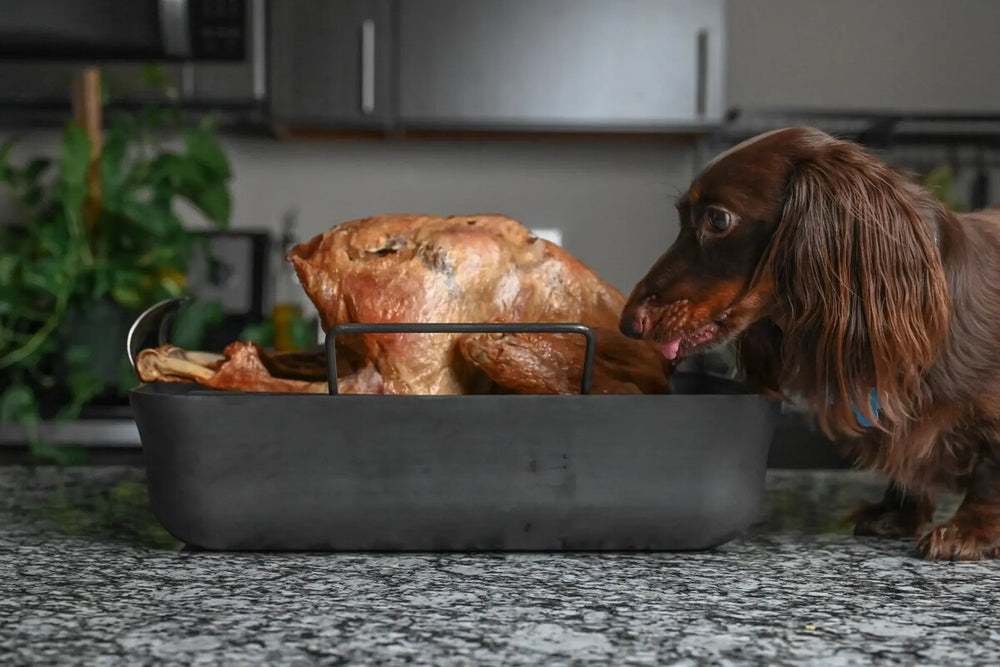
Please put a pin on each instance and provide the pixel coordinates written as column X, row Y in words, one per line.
column 212, row 51
column 125, row 29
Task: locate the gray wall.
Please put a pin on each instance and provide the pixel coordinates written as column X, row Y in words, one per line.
column 613, row 202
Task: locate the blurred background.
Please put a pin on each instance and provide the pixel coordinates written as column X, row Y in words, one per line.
column 152, row 148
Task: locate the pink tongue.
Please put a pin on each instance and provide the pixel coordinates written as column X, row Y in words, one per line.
column 670, row 349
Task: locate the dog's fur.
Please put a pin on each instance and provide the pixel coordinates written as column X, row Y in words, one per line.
column 840, row 275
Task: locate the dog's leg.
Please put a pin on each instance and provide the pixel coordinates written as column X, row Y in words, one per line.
column 973, row 532
column 898, row 514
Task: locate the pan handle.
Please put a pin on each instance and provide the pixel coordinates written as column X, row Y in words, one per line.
column 159, row 316
column 465, row 328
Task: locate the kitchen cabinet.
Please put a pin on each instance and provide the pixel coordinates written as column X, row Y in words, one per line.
column 330, row 62
column 560, row 64
column 910, row 56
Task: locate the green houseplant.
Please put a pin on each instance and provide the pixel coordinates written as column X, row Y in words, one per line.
column 71, row 273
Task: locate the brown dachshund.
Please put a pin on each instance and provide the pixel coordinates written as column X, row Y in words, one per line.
column 842, row 281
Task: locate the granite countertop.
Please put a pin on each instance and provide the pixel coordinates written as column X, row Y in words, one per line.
column 89, row 577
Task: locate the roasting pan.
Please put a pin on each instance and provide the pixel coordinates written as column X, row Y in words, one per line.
column 304, row 472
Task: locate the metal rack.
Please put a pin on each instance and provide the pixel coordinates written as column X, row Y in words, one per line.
column 919, row 142
column 878, row 130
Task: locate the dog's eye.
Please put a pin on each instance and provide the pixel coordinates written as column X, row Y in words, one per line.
column 719, row 220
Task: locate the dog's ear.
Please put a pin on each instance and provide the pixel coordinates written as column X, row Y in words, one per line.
column 859, row 284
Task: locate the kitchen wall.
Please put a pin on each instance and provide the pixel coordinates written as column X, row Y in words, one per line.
column 612, row 202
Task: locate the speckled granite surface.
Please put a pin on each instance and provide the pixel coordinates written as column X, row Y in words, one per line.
column 88, row 578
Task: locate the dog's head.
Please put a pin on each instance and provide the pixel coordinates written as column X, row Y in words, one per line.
column 812, row 240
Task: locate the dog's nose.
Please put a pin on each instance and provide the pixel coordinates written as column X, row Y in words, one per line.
column 632, row 323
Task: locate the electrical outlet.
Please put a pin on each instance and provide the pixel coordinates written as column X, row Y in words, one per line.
column 550, row 234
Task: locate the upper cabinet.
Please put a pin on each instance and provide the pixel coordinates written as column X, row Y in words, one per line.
column 331, row 62
column 589, row 64
column 553, row 65
column 909, row 56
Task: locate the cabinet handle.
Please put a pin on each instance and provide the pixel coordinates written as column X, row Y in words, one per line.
column 367, row 66
column 701, row 95
column 174, row 30
column 258, row 62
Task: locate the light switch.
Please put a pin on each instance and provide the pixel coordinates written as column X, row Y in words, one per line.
column 551, row 234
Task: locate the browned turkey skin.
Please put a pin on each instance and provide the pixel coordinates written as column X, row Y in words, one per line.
column 418, row 268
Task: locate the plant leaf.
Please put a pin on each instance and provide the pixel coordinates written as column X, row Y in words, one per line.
column 113, row 162
column 6, row 172
column 74, row 158
column 61, row 456
column 83, row 383
column 154, row 76
column 74, row 155
column 130, row 286
column 126, row 377
column 155, row 219
column 33, row 195
column 303, row 332
column 203, row 147
column 18, row 404
column 154, row 117
column 215, row 202
column 36, row 168
column 261, row 333
column 8, row 263
column 180, row 175
column 128, row 296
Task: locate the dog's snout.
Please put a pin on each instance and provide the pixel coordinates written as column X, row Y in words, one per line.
column 633, row 322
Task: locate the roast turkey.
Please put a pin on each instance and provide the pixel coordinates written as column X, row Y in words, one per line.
column 421, row 268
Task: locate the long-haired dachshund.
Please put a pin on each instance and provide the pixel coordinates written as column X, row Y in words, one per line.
column 842, row 281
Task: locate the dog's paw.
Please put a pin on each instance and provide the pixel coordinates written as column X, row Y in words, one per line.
column 877, row 520
column 955, row 541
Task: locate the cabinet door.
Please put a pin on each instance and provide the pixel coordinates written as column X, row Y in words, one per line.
column 895, row 56
column 560, row 63
column 330, row 62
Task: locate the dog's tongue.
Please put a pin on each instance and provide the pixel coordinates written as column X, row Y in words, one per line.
column 670, row 349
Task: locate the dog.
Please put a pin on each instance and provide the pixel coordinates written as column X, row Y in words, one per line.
column 841, row 280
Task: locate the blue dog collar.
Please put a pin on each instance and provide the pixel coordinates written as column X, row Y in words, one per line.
column 876, row 405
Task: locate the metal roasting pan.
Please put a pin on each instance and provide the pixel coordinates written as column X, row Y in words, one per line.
column 304, row 472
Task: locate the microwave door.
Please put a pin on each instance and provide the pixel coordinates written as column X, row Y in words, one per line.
column 101, row 30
